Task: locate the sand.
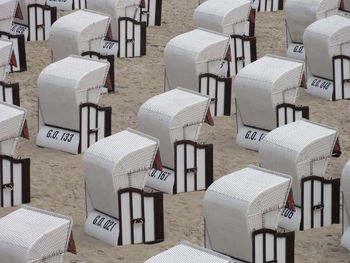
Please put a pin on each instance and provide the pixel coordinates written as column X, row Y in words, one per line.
column 56, row 177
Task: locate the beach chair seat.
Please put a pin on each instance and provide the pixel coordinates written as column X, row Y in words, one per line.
column 201, row 61
column 175, row 118
column 241, row 212
column 68, row 4
column 327, row 48
column 34, row 19
column 150, row 12
column 80, row 31
column 265, row 93
column 70, row 118
column 14, row 171
column 119, row 210
column 188, row 253
column 299, row 15
column 126, row 36
column 33, row 235
column 302, row 149
column 18, row 56
column 345, row 186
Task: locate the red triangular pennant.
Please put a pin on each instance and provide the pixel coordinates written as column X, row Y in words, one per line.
column 303, row 82
column 158, row 162
column 109, row 83
column 13, row 60
column 336, row 150
column 142, row 4
column 252, row 16
column 71, row 245
column 109, row 33
column 209, row 119
column 228, row 56
column 19, row 14
column 290, row 201
column 25, row 131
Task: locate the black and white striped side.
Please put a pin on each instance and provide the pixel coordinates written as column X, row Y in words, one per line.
column 132, row 38
column 287, row 113
column 14, row 181
column 9, row 93
column 40, row 19
column 341, row 77
column 141, row 217
column 219, row 90
column 193, row 166
column 270, row 5
column 151, row 12
column 320, row 203
column 270, row 246
column 95, row 124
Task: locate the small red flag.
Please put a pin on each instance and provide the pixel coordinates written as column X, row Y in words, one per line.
column 71, row 245
column 19, row 14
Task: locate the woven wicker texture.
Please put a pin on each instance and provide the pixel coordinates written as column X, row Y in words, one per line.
column 116, row 162
column 5, row 53
column 11, row 123
column 8, row 9
column 300, row 14
column 172, row 116
column 64, row 85
column 32, row 235
column 300, row 149
column 188, row 55
column 75, row 33
column 238, row 204
column 116, row 9
column 262, row 85
column 324, row 39
column 188, row 253
column 224, row 16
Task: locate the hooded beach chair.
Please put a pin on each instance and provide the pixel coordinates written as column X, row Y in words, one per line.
column 299, row 15
column 265, row 93
column 68, row 4
column 175, row 118
column 70, row 118
column 231, row 18
column 126, row 35
column 327, row 49
column 82, row 33
column 18, row 56
column 14, row 171
column 31, row 235
column 200, row 60
column 78, row 32
column 345, row 187
column 188, row 253
column 9, row 92
column 33, row 19
column 302, row 149
column 241, row 212
column 119, row 210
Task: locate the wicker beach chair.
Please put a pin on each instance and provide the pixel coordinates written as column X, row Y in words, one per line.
column 265, row 93
column 115, row 170
column 31, row 235
column 175, row 118
column 70, row 118
column 302, row 149
column 327, row 50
